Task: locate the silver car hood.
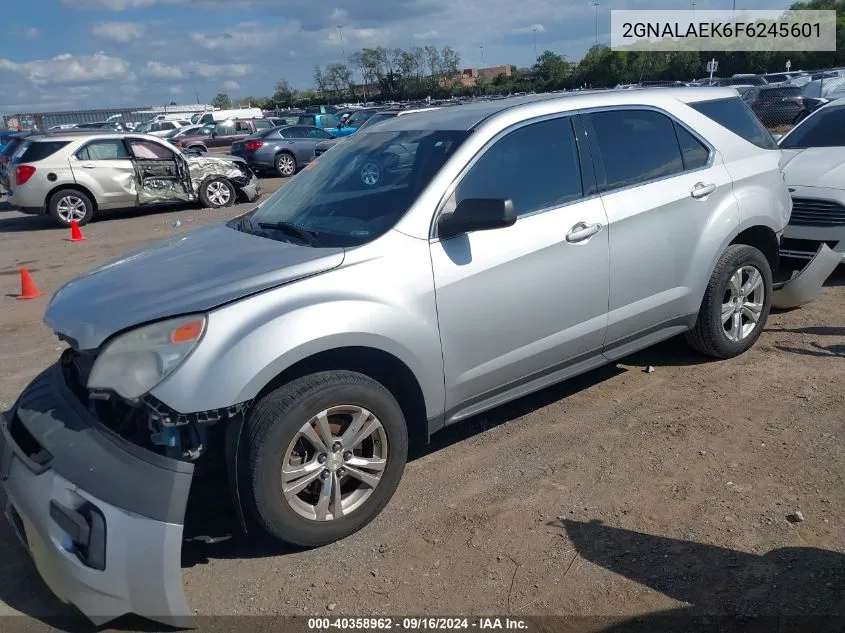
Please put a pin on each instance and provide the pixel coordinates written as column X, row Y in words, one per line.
column 192, row 272
column 814, row 167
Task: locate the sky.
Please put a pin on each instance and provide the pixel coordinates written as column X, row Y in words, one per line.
column 76, row 54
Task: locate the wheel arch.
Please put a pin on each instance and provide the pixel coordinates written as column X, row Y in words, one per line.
column 75, row 187
column 383, row 367
column 764, row 239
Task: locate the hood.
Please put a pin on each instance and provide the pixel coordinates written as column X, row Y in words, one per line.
column 193, row 272
column 814, row 167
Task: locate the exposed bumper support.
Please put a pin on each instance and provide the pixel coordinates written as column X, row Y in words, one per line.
column 102, row 518
column 806, row 284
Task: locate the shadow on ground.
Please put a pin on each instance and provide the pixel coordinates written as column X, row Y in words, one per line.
column 787, row 589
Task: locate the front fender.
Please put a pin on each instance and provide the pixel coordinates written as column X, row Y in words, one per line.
column 374, row 302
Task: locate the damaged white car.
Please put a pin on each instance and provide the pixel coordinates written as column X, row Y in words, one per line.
column 72, row 176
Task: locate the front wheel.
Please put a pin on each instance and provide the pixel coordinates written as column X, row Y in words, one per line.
column 217, row 193
column 285, row 165
column 322, row 456
column 736, row 304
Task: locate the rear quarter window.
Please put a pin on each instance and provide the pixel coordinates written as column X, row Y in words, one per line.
column 40, row 151
column 734, row 114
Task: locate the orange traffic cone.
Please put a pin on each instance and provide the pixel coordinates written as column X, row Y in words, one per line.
column 75, row 233
column 28, row 288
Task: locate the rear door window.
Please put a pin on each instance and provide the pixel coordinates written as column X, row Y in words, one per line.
column 694, row 153
column 148, row 150
column 104, row 149
column 735, row 115
column 636, row 146
column 263, row 124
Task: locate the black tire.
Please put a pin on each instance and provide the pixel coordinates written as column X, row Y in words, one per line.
column 709, row 336
column 274, row 422
column 70, row 196
column 285, row 164
column 212, row 195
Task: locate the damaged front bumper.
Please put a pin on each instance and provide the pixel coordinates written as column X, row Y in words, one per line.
column 806, row 285
column 101, row 517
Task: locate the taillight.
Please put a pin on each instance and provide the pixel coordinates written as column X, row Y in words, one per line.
column 253, row 145
column 23, row 173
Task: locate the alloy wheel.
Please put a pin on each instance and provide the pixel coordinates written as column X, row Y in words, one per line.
column 742, row 304
column 218, row 193
column 334, row 463
column 71, row 208
column 286, row 165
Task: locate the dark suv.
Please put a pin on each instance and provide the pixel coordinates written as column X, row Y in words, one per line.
column 220, row 136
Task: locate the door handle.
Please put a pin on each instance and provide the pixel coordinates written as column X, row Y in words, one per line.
column 700, row 190
column 581, row 232
column 88, row 165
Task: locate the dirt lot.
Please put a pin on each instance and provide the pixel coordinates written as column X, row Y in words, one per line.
column 619, row 493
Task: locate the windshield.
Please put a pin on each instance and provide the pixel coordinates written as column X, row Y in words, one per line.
column 825, row 128
column 359, row 190
column 377, row 118
column 360, row 116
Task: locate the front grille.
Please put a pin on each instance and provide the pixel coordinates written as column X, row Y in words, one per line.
column 791, row 247
column 813, row 212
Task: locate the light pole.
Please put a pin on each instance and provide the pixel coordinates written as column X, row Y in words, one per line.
column 534, row 28
column 340, row 30
column 596, row 7
column 481, row 46
column 693, row 9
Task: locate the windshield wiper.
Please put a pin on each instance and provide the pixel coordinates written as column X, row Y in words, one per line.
column 291, row 229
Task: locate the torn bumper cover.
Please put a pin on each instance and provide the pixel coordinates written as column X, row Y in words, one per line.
column 232, row 168
column 806, row 285
column 101, row 517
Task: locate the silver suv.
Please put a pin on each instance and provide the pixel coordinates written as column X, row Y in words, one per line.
column 71, row 176
column 305, row 344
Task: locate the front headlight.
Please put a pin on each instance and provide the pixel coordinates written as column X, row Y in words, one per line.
column 135, row 362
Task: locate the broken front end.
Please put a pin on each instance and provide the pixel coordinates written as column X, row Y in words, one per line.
column 97, row 487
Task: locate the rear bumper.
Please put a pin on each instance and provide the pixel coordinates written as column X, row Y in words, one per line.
column 101, row 517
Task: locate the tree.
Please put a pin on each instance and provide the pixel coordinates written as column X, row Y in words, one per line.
column 284, row 95
column 222, row 101
column 338, row 78
column 320, row 81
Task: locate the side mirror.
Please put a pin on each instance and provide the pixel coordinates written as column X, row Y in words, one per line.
column 476, row 214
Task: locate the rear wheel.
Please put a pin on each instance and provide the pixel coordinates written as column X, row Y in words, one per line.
column 69, row 204
column 285, row 165
column 322, row 456
column 217, row 193
column 736, row 304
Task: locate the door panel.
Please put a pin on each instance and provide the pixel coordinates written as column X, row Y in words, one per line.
column 105, row 168
column 516, row 304
column 162, row 176
column 520, row 300
column 669, row 203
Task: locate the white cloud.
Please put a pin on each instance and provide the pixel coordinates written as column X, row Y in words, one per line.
column 175, row 90
column 28, row 32
column 157, row 70
column 231, row 85
column 427, row 36
column 119, row 31
column 67, row 69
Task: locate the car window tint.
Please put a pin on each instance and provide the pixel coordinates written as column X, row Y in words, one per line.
column 693, row 152
column 308, row 119
column 224, row 129
column 330, row 120
column 40, row 151
column 242, row 126
column 297, row 132
column 261, row 124
column 147, row 150
column 535, row 166
column 317, row 133
column 636, row 146
column 826, row 128
column 734, row 114
column 105, row 149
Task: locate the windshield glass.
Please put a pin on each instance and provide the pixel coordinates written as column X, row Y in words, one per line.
column 825, row 128
column 359, row 190
column 378, row 117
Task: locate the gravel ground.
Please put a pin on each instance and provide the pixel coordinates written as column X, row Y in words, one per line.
column 619, row 493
